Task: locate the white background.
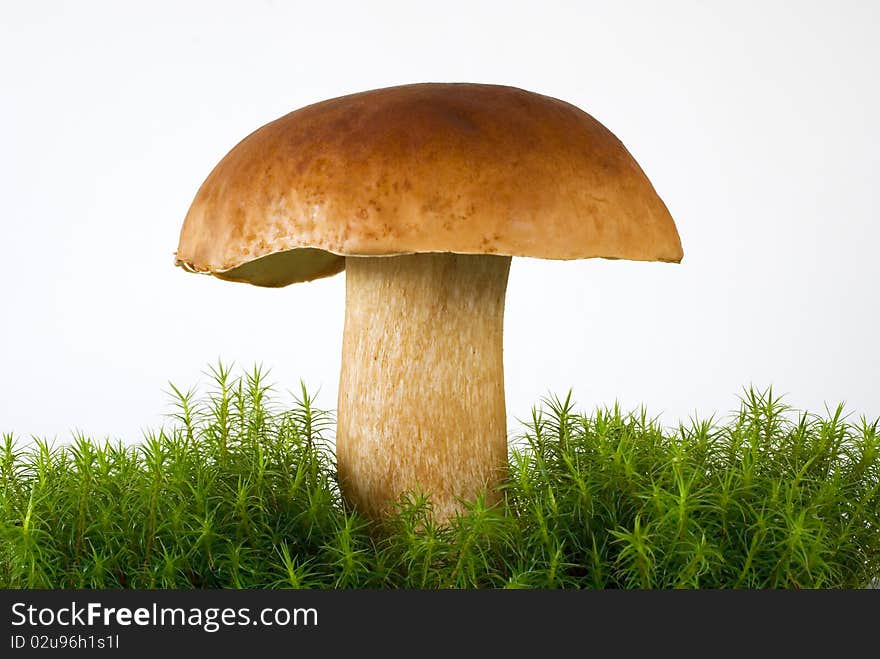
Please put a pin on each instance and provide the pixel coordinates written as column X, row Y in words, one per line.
column 756, row 122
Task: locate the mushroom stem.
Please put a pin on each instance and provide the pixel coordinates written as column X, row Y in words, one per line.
column 421, row 392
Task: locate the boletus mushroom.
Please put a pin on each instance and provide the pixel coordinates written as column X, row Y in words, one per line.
column 422, row 194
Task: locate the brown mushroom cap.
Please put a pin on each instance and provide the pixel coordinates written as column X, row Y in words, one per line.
column 435, row 167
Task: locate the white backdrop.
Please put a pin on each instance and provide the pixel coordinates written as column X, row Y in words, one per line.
column 756, row 122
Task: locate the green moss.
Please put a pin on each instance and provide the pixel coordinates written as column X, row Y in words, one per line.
column 238, row 492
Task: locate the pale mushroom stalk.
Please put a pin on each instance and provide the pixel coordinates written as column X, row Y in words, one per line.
column 421, row 392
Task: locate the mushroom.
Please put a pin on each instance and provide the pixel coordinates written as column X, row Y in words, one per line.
column 422, row 193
